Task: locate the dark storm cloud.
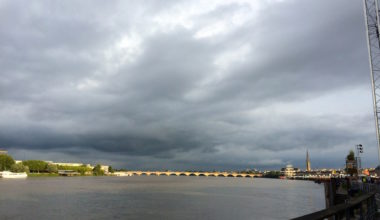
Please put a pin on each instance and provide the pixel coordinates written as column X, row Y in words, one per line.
column 155, row 85
column 299, row 48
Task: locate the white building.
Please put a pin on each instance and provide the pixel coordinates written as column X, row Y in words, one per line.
column 289, row 171
column 104, row 168
column 72, row 164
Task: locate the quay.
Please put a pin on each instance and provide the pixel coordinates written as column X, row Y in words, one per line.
column 188, row 173
column 348, row 199
column 362, row 207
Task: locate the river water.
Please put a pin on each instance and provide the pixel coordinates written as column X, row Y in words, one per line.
column 157, row 197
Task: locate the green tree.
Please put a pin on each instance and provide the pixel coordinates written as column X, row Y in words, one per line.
column 19, row 168
column 97, row 171
column 35, row 166
column 80, row 169
column 351, row 166
column 6, row 162
column 351, row 155
column 273, row 174
column 51, row 168
column 110, row 169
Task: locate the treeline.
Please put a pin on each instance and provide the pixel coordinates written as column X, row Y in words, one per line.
column 272, row 174
column 8, row 163
column 39, row 166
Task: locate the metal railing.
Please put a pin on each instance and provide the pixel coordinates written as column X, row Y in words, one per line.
column 361, row 207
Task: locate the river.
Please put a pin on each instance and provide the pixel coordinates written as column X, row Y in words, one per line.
column 157, row 197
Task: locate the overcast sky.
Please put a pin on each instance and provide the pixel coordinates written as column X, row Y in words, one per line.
column 186, row 84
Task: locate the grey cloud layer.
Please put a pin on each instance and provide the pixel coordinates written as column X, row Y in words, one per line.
column 124, row 81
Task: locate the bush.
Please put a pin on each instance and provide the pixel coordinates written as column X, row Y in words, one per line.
column 6, row 162
column 51, row 168
column 19, row 168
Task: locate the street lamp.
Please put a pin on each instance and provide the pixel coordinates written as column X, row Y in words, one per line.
column 359, row 150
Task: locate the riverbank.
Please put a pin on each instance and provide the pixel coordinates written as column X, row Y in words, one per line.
column 43, row 175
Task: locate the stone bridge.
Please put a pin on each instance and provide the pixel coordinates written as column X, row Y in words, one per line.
column 188, row 173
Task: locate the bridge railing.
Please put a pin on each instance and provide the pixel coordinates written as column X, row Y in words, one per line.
column 361, row 207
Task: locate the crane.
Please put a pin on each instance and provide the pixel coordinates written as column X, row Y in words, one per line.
column 371, row 13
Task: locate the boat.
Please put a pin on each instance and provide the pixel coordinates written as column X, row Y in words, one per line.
column 11, row 175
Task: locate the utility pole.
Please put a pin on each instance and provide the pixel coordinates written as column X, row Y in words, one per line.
column 371, row 12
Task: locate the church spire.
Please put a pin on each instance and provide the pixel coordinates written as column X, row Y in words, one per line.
column 308, row 167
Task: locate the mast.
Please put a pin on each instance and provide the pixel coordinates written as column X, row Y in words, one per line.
column 371, row 13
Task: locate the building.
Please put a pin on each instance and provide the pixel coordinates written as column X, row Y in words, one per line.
column 3, row 152
column 71, row 164
column 308, row 167
column 66, row 164
column 289, row 171
column 104, row 168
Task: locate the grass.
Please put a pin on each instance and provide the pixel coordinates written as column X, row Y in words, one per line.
column 42, row 174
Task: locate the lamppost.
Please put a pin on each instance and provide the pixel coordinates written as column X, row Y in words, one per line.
column 359, row 150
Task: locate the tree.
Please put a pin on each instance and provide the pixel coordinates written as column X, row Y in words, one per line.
column 80, row 169
column 272, row 174
column 35, row 166
column 110, row 169
column 351, row 155
column 52, row 168
column 351, row 166
column 6, row 162
column 97, row 171
column 19, row 168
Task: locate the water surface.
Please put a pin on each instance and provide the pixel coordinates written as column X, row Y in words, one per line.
column 157, row 197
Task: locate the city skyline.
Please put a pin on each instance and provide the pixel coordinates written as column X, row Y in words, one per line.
column 186, row 84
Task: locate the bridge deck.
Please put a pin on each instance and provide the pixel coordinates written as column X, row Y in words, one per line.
column 186, row 173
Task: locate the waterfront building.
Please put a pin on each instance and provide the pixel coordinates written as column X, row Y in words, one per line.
column 289, row 171
column 308, row 167
column 3, row 152
column 104, row 168
column 68, row 164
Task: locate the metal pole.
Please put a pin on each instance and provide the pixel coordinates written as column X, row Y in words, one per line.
column 371, row 13
column 359, row 150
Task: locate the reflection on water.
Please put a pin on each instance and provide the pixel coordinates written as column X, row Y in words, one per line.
column 157, row 197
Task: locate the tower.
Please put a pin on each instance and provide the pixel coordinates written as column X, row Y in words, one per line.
column 308, row 167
